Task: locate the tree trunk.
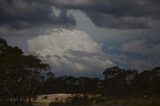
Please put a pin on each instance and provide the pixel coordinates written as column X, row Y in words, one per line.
column 29, row 100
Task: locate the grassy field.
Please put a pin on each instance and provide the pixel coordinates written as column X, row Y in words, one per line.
column 44, row 100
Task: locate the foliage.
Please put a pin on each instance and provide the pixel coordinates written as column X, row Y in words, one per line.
column 70, row 84
column 20, row 74
column 123, row 83
column 79, row 100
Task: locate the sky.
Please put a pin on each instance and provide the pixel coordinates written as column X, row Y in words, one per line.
column 84, row 37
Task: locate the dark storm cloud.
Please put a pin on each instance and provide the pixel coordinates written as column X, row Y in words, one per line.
column 110, row 21
column 126, row 14
column 114, row 7
column 105, row 13
column 115, row 13
column 26, row 13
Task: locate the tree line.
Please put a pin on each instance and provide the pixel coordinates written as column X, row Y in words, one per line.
column 22, row 77
column 117, row 82
column 70, row 84
column 129, row 83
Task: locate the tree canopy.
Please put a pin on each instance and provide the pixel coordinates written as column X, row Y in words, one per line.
column 20, row 75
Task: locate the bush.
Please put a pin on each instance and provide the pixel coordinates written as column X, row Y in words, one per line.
column 99, row 100
column 2, row 103
column 57, row 103
column 45, row 97
column 79, row 100
column 75, row 100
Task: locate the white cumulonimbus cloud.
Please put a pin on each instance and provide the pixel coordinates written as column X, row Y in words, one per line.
column 72, row 50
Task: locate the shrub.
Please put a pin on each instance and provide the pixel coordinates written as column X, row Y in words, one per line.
column 75, row 100
column 79, row 100
column 45, row 97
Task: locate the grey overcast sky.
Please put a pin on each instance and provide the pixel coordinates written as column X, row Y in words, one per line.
column 83, row 37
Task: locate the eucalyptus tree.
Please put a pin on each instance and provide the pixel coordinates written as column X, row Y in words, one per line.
column 20, row 74
column 118, row 81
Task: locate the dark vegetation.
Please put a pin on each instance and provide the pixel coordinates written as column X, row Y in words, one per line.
column 129, row 83
column 23, row 77
column 20, row 75
column 80, row 100
column 117, row 82
column 70, row 84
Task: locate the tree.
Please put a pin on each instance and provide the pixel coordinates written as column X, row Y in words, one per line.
column 118, row 81
column 20, row 74
column 33, row 67
column 146, row 83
